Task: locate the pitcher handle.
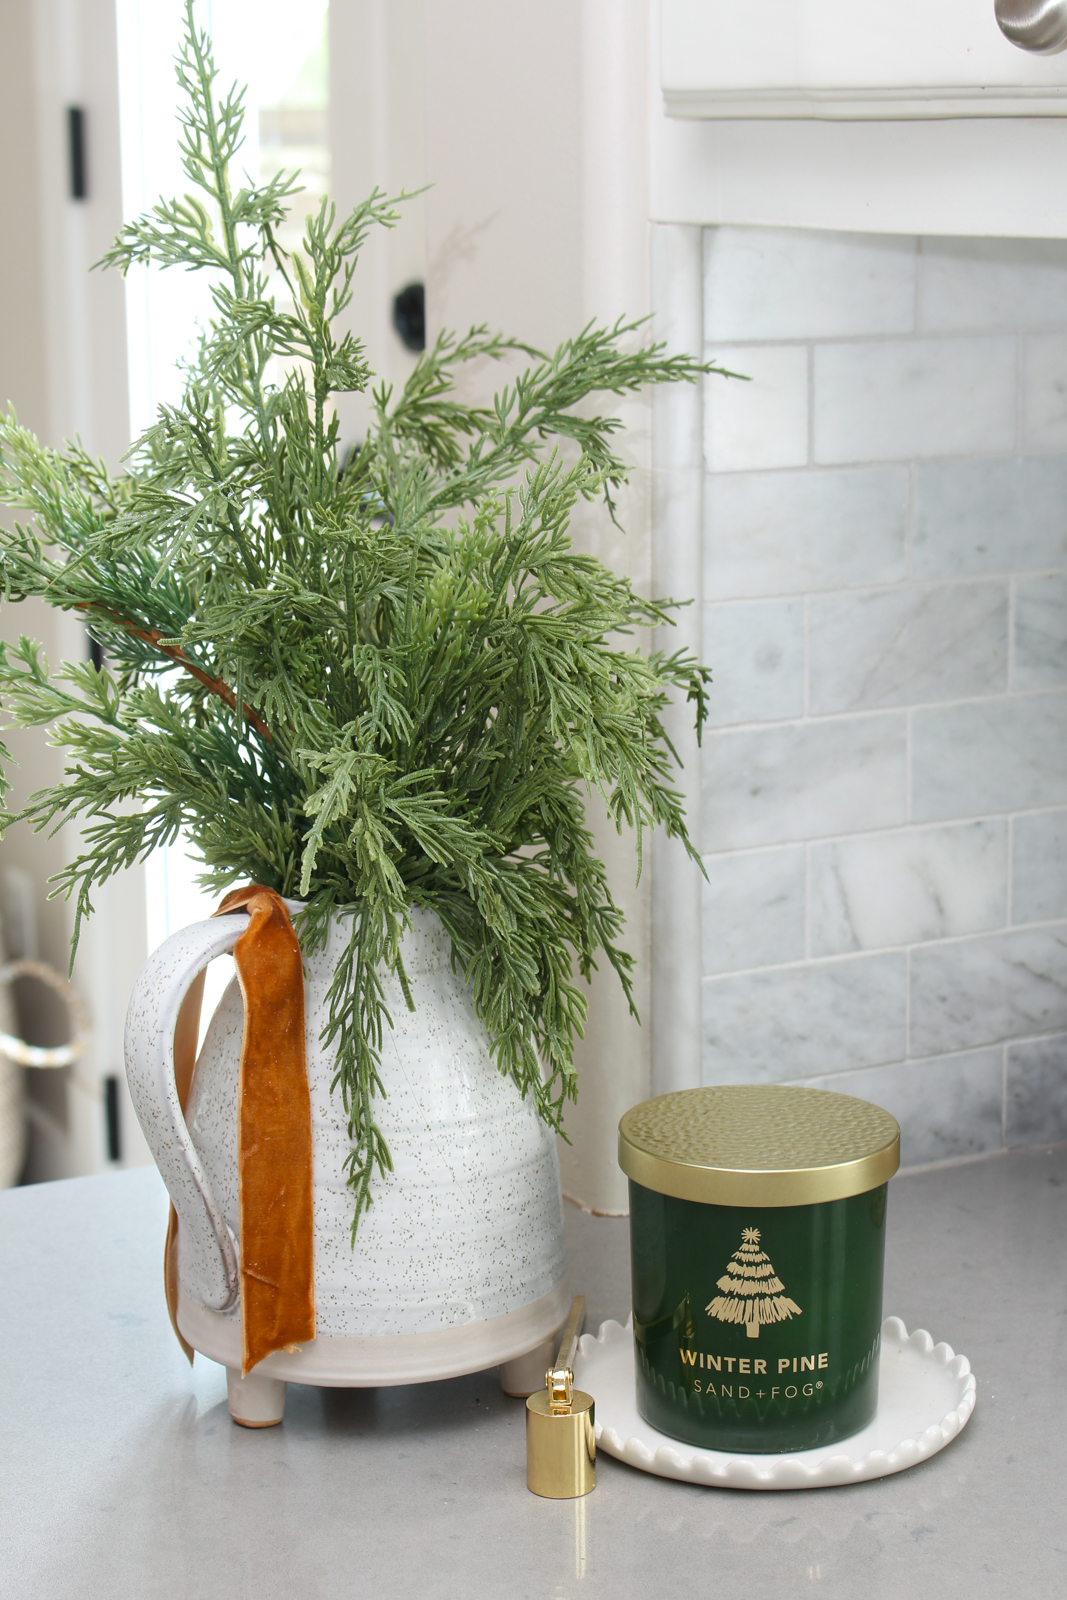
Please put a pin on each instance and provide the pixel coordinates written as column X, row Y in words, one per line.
column 208, row 1248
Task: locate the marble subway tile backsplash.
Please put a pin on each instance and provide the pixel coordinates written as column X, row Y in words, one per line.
column 884, row 776
column 797, row 1022
column 1036, row 1091
column 908, row 887
column 971, row 284
column 1040, row 631
column 754, row 909
column 947, row 1106
column 905, row 646
column 976, row 517
column 803, row 780
column 1002, row 986
column 1044, row 398
column 774, row 533
column 914, row 398
column 759, row 418
column 793, row 283
column 996, row 755
column 1039, row 867
column 759, row 651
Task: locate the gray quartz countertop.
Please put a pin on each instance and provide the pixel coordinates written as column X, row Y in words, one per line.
column 122, row 1474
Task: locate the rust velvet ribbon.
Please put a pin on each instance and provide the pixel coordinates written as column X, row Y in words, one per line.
column 274, row 1132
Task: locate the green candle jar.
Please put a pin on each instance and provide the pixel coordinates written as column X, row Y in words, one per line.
column 757, row 1239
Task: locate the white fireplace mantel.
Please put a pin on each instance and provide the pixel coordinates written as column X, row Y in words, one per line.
column 876, row 116
column 854, row 60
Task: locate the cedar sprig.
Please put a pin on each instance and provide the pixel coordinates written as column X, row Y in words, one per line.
column 371, row 680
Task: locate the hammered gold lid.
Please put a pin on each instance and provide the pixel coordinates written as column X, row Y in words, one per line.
column 758, row 1145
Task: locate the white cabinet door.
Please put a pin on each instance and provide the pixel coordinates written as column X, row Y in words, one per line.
column 851, row 59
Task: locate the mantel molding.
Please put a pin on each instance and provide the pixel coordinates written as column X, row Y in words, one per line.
column 866, row 104
column 850, row 60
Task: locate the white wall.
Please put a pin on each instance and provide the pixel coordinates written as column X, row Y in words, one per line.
column 377, row 138
column 536, row 144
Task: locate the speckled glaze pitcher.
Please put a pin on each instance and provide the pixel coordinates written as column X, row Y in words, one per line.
column 459, row 1263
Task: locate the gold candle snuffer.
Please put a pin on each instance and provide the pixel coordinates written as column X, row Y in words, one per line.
column 560, row 1436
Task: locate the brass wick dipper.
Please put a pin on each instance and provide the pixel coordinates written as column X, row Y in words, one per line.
column 560, row 1434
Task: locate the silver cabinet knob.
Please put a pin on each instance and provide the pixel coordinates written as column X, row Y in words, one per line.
column 1039, row 26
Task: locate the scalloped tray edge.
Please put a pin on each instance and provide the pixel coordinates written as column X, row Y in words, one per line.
column 690, row 1464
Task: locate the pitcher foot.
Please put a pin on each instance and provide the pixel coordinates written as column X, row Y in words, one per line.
column 255, row 1401
column 526, row 1374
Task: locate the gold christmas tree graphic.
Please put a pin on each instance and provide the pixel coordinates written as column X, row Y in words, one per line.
column 751, row 1291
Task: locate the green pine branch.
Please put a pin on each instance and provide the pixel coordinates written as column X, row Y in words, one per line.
column 374, row 681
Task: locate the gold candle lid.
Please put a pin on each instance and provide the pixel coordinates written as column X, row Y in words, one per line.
column 758, row 1145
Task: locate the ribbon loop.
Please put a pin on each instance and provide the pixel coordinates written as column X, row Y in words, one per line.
column 274, row 1160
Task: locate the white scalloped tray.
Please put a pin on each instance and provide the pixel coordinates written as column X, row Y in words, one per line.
column 926, row 1394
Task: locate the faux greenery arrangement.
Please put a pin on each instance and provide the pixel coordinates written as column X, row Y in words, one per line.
column 373, row 682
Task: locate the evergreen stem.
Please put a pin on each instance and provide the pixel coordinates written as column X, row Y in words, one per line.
column 153, row 636
column 224, row 199
column 350, row 625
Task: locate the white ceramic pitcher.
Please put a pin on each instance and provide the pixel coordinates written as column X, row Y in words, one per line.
column 458, row 1264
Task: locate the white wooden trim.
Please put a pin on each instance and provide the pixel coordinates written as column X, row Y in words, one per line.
column 860, row 104
column 677, row 300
